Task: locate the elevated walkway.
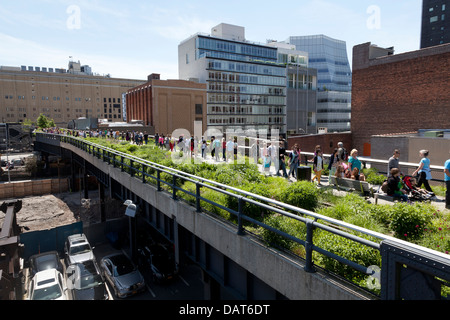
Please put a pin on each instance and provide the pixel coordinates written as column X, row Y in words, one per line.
column 235, row 258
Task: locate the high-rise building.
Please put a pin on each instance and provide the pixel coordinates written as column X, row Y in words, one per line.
column 435, row 23
column 246, row 85
column 334, row 80
column 301, row 100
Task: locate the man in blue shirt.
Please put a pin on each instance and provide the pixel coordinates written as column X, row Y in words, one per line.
column 447, row 183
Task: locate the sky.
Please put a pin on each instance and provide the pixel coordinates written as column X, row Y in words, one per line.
column 132, row 39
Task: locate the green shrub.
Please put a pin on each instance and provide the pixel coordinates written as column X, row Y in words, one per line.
column 373, row 177
column 347, row 249
column 237, row 174
column 190, row 187
column 218, row 198
column 409, row 221
column 249, row 209
column 437, row 235
column 288, row 225
column 132, row 148
column 302, row 194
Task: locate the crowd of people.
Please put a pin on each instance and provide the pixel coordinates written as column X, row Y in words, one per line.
column 403, row 187
column 341, row 163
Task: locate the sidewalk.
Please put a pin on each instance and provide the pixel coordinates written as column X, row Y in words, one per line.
column 439, row 202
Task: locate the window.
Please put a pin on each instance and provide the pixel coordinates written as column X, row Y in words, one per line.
column 198, row 109
column 433, row 19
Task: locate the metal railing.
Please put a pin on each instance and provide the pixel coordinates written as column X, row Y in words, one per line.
column 147, row 171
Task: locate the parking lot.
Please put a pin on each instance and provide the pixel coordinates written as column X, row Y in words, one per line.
column 187, row 285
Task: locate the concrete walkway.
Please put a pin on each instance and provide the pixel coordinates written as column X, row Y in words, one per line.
column 438, row 202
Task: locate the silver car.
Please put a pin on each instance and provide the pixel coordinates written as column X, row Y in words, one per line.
column 122, row 274
column 77, row 249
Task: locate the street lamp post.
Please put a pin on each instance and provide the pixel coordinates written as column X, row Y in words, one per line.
column 131, row 213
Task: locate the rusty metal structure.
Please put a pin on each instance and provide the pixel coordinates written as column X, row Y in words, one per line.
column 10, row 251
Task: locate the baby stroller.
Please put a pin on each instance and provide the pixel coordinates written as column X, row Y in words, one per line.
column 416, row 194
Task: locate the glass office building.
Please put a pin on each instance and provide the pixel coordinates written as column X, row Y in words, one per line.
column 301, row 100
column 246, row 86
column 334, row 80
column 435, row 23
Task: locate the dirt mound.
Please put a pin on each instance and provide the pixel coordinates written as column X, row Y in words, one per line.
column 43, row 212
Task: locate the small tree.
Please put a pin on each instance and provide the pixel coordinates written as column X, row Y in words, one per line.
column 42, row 121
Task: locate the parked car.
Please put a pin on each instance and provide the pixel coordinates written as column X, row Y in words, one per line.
column 77, row 249
column 44, row 261
column 85, row 282
column 17, row 162
column 47, row 285
column 122, row 274
column 161, row 261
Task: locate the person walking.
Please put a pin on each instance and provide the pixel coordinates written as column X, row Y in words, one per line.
column 294, row 161
column 230, row 148
column 393, row 162
column 423, row 171
column 224, row 149
column 282, row 160
column 318, row 166
column 334, row 162
column 204, row 145
column 447, row 183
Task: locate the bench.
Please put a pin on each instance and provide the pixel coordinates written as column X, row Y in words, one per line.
column 351, row 185
column 382, row 196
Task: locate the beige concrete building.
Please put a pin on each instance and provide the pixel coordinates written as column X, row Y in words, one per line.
column 59, row 94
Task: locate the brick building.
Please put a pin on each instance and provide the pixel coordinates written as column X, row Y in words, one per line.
column 168, row 105
column 398, row 93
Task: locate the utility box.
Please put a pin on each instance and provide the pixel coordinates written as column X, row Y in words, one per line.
column 304, row 173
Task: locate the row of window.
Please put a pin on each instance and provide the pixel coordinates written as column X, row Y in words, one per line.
column 253, row 120
column 246, row 89
column 436, row 18
column 335, row 100
column 246, row 79
column 60, row 116
column 338, row 73
column 246, row 99
column 250, row 68
column 236, row 48
column 335, row 62
column 67, row 98
column 301, row 81
column 333, row 111
column 332, row 120
column 246, row 110
column 437, row 6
